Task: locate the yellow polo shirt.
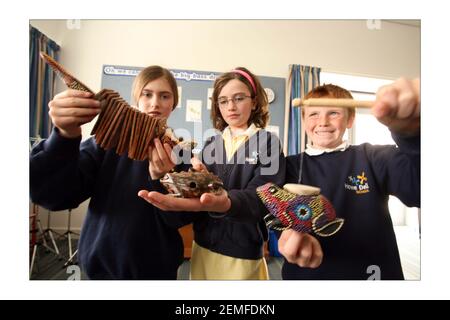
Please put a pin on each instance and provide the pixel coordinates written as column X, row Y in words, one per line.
column 232, row 143
column 209, row 265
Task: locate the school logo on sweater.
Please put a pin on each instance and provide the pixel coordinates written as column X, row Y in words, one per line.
column 253, row 159
column 359, row 183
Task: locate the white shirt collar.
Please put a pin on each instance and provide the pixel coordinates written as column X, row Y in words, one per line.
column 311, row 151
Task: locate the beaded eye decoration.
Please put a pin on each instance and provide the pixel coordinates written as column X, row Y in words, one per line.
column 299, row 207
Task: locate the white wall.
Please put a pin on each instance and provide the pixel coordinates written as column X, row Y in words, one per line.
column 266, row 47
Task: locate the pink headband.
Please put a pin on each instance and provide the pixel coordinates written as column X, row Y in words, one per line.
column 246, row 76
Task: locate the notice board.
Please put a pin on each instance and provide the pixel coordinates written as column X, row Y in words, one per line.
column 191, row 118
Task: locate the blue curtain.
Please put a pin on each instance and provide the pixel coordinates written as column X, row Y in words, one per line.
column 302, row 79
column 42, row 84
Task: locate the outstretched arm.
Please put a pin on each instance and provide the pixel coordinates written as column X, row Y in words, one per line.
column 61, row 174
column 397, row 106
column 398, row 169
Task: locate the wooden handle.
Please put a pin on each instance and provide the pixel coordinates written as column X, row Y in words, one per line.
column 70, row 81
column 327, row 102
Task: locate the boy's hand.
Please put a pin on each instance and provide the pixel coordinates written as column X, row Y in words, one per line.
column 161, row 160
column 72, row 108
column 398, row 106
column 300, row 248
column 207, row 202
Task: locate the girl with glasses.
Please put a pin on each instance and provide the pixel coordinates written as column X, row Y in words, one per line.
column 230, row 232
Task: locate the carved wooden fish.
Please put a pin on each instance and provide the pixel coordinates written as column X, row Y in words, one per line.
column 191, row 184
column 299, row 207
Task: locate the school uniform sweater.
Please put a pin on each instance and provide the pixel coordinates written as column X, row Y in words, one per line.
column 358, row 182
column 123, row 236
column 241, row 231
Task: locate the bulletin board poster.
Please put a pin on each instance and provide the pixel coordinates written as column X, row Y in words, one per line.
column 191, row 119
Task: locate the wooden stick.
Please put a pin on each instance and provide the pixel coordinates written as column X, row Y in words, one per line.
column 65, row 76
column 327, row 102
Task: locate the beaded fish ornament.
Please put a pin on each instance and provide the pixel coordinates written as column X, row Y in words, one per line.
column 299, row 207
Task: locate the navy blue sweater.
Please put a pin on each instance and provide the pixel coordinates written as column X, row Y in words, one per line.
column 123, row 236
column 241, row 231
column 358, row 181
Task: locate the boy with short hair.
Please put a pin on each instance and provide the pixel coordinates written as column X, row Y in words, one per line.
column 358, row 181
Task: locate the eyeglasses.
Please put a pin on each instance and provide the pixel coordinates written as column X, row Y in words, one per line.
column 237, row 100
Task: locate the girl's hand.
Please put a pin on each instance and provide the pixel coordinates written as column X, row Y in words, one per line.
column 300, row 248
column 160, row 159
column 72, row 108
column 207, row 202
column 197, row 165
column 398, row 106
